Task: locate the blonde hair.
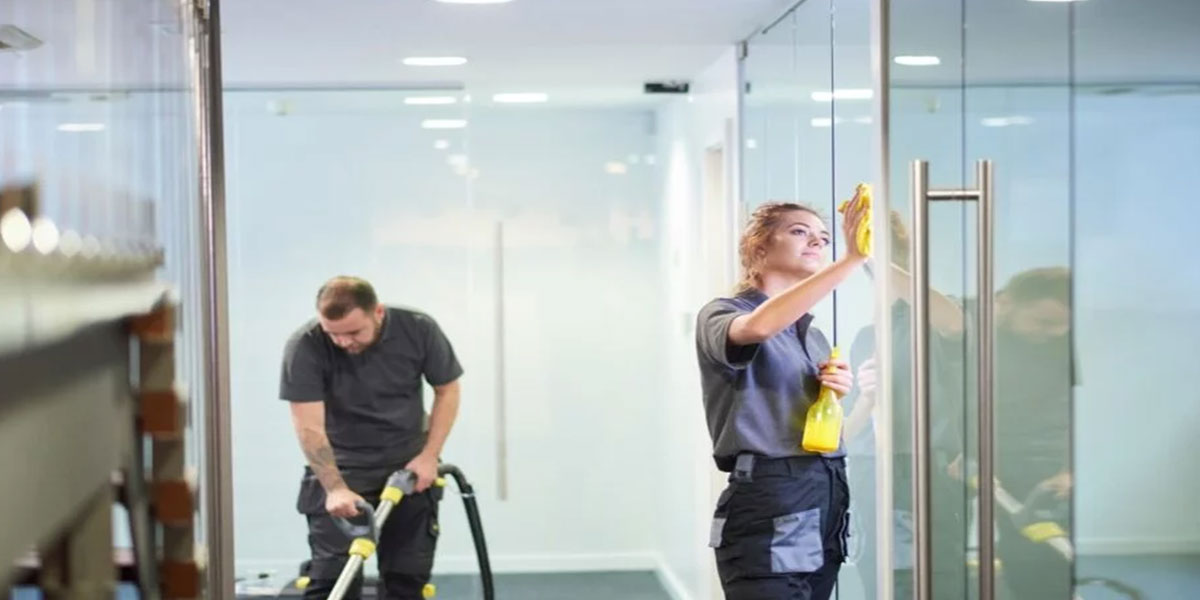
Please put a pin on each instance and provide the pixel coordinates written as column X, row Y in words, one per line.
column 756, row 238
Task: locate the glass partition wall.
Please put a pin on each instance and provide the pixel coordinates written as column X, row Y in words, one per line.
column 1008, row 321
column 530, row 234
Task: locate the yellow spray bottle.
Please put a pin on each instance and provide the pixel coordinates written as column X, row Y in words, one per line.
column 823, row 427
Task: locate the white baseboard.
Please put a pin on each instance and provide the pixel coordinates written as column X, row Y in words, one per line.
column 503, row 563
column 671, row 582
column 1132, row 546
column 548, row 563
column 278, row 568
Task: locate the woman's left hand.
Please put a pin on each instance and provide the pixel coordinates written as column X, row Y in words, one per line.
column 839, row 379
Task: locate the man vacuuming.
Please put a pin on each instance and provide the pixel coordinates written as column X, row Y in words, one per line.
column 353, row 378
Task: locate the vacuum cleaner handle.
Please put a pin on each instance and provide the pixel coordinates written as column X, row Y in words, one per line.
column 354, row 530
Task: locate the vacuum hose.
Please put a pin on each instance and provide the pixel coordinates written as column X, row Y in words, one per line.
column 468, row 496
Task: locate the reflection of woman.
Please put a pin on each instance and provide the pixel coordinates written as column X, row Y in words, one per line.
column 780, row 525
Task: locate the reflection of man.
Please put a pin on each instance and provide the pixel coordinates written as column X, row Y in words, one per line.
column 1033, row 379
column 353, row 378
column 1032, row 424
column 947, row 326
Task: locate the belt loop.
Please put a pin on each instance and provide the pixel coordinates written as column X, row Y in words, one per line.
column 743, row 469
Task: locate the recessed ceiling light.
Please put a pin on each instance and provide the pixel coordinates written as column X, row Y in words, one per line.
column 441, row 144
column 424, row 100
column 45, row 235
column 918, row 61
column 1006, row 121
column 444, row 123
column 80, row 127
column 821, row 122
column 70, row 243
column 15, row 230
column 474, row 1
column 847, row 94
column 616, row 168
column 435, row 61
column 520, row 98
column 91, row 246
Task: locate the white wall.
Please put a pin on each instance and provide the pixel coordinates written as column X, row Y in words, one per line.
column 687, row 129
column 1137, row 298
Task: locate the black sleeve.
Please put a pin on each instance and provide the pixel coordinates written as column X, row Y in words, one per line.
column 303, row 375
column 863, row 347
column 712, row 336
column 441, row 365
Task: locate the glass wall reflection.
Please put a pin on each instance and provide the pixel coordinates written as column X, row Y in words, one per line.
column 808, row 114
column 98, row 117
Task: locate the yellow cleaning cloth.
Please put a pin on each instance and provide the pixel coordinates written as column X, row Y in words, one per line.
column 862, row 194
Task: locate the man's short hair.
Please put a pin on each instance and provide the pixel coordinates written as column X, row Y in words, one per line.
column 1046, row 283
column 341, row 295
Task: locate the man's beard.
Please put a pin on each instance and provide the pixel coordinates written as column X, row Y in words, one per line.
column 375, row 335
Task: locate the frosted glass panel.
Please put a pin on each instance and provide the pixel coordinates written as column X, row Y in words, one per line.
column 98, row 112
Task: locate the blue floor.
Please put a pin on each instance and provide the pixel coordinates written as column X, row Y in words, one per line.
column 1154, row 577
column 557, row 586
column 124, row 592
column 548, row 586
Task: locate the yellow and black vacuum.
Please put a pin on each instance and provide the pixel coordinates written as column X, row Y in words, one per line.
column 366, row 536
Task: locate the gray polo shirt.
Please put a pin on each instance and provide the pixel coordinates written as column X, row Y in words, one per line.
column 756, row 397
column 374, row 401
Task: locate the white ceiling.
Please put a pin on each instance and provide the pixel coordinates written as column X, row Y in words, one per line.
column 603, row 49
column 600, row 51
column 1007, row 42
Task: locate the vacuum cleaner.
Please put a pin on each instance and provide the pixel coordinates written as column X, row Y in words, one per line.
column 1038, row 519
column 365, row 537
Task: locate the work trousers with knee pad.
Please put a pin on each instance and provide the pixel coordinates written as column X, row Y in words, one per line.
column 406, row 543
column 781, row 528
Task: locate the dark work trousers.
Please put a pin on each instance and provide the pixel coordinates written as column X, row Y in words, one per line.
column 781, row 528
column 406, row 545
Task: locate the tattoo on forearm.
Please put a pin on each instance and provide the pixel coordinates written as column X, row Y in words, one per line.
column 320, row 457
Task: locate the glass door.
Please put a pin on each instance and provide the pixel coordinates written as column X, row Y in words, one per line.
column 930, row 242
column 978, row 153
column 1017, row 114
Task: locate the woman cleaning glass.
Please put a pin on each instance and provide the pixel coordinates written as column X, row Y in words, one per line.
column 780, row 526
